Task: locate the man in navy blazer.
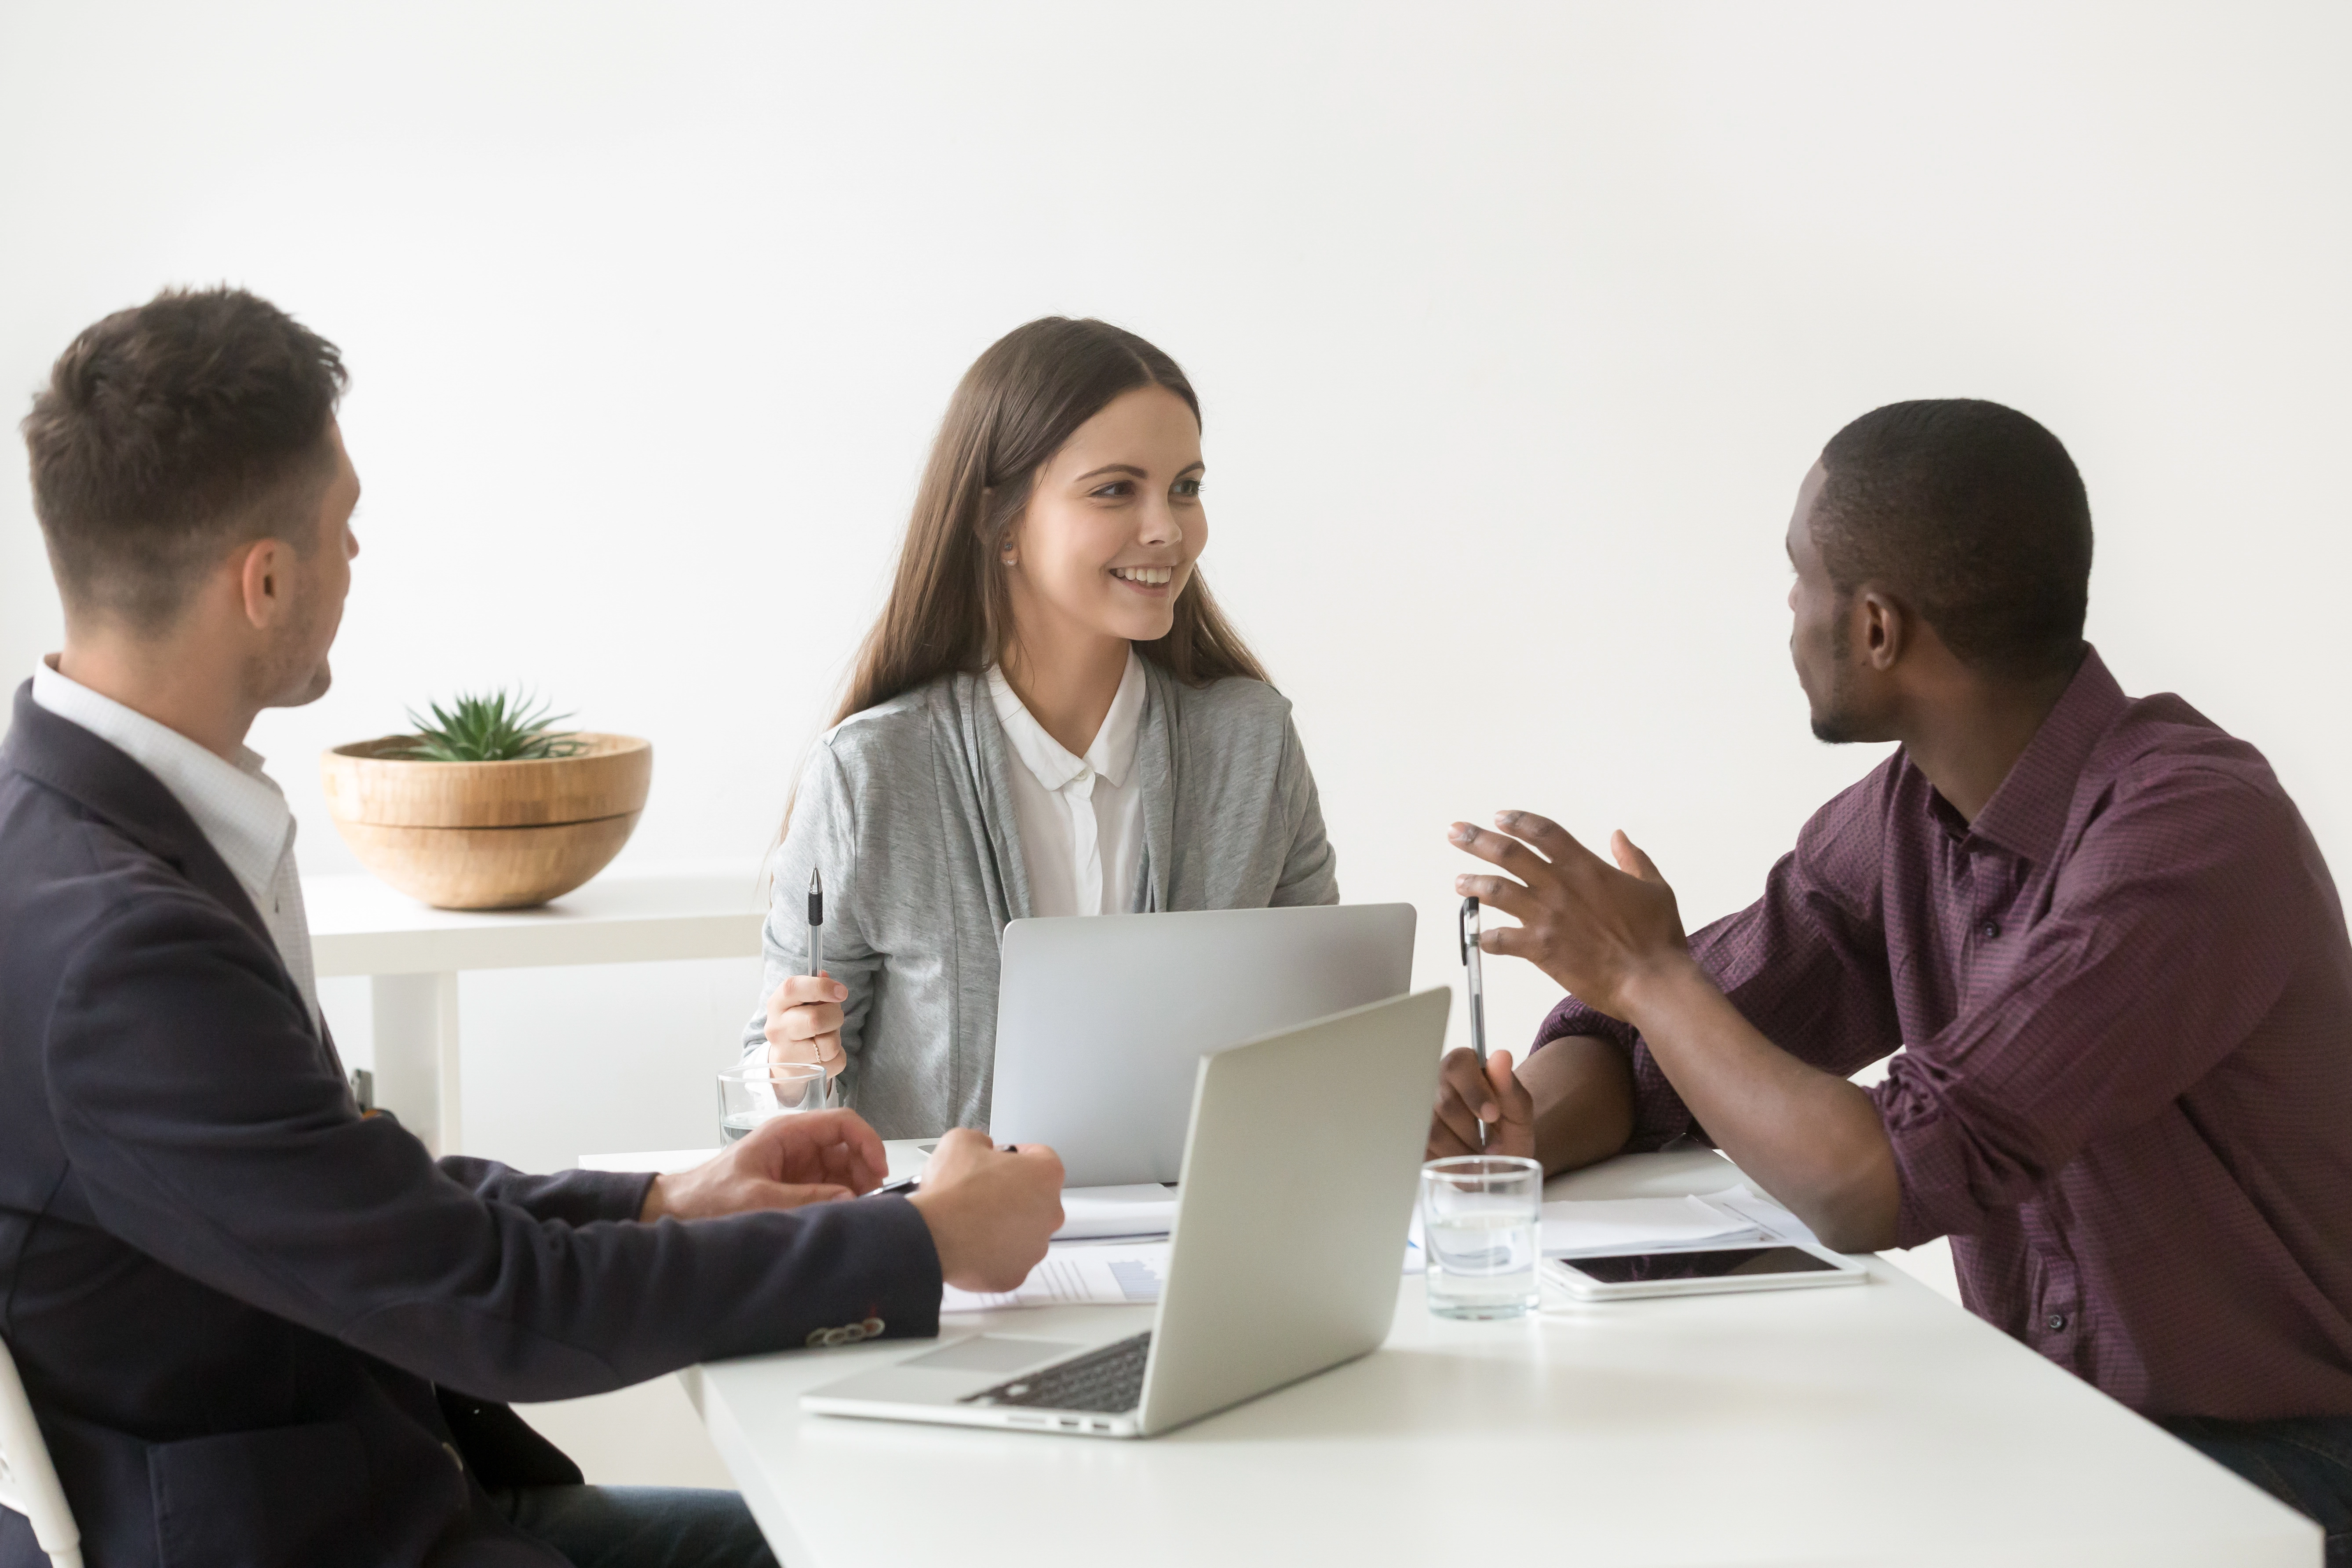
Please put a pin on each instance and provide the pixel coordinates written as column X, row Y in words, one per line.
column 256, row 1326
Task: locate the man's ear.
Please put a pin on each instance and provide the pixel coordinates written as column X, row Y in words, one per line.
column 265, row 581
column 1883, row 631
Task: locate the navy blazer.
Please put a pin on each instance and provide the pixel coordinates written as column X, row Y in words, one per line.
column 258, row 1328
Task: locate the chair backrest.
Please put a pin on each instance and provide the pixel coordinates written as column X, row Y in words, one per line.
column 28, row 1482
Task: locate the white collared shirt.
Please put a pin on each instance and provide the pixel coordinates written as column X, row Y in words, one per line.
column 240, row 809
column 1081, row 818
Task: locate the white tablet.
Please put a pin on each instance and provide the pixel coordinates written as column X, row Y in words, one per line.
column 1771, row 1266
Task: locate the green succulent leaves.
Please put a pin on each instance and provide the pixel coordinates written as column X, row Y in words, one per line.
column 495, row 727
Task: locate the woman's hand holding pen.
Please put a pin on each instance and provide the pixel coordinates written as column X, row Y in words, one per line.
column 805, row 1021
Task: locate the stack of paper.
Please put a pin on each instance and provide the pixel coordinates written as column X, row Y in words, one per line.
column 1776, row 1222
column 1736, row 1216
column 1592, row 1226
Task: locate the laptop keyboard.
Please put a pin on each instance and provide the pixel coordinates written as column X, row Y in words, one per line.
column 1109, row 1379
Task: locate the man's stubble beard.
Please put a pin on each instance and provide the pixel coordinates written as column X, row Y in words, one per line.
column 1833, row 724
column 293, row 675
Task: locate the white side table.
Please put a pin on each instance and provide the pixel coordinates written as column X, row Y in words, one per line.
column 413, row 955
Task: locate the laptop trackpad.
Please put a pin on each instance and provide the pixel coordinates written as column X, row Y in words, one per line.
column 988, row 1352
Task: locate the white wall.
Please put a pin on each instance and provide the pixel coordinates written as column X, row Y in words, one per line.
column 1515, row 326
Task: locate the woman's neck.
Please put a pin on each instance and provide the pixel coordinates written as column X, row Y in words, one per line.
column 1068, row 686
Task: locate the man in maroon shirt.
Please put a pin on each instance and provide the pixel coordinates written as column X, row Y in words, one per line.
column 2098, row 930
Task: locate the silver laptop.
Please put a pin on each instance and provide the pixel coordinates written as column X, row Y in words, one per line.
column 1100, row 1019
column 1288, row 1247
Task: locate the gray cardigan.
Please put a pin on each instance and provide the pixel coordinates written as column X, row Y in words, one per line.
column 907, row 809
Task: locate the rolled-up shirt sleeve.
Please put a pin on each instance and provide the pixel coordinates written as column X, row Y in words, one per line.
column 1806, row 963
column 2112, row 1008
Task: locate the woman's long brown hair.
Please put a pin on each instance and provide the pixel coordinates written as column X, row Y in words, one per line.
column 950, row 607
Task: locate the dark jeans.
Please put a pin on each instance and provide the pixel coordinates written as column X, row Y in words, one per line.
column 2306, row 1463
column 639, row 1527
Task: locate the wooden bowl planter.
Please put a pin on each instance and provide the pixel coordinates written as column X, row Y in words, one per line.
column 488, row 835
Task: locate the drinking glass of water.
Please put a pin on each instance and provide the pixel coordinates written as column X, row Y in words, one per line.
column 1481, row 1229
column 754, row 1092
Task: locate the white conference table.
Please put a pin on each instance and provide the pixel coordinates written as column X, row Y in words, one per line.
column 414, row 954
column 1876, row 1424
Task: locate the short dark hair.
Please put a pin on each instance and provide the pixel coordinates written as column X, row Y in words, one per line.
column 1975, row 516
column 172, row 432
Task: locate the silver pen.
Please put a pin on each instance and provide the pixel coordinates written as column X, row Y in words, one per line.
column 1469, row 932
column 1467, row 928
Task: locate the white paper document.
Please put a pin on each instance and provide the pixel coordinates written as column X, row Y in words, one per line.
column 1775, row 1220
column 1124, row 1275
column 1146, row 1208
column 1594, row 1225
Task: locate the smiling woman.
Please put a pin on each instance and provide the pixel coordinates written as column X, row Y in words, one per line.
column 1051, row 718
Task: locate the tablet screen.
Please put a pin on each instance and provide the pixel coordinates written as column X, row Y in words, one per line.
column 1631, row 1267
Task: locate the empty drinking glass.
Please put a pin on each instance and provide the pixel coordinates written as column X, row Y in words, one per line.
column 1481, row 1228
column 754, row 1092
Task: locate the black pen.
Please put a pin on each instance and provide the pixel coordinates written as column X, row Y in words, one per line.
column 908, row 1184
column 816, row 947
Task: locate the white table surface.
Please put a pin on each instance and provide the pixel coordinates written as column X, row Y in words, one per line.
column 360, row 926
column 1871, row 1424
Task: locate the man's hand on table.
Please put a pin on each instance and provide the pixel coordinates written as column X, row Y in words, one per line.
column 1566, row 1105
column 991, row 1210
column 1468, row 1097
column 785, row 1162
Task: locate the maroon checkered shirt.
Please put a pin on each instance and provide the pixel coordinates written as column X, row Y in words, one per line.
column 2125, row 993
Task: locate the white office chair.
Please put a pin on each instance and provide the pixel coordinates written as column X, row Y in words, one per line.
column 28, row 1482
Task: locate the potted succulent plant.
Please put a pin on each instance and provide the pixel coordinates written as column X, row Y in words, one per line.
column 487, row 805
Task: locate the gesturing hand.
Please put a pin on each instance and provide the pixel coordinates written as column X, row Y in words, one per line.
column 810, row 1157
column 1594, row 928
